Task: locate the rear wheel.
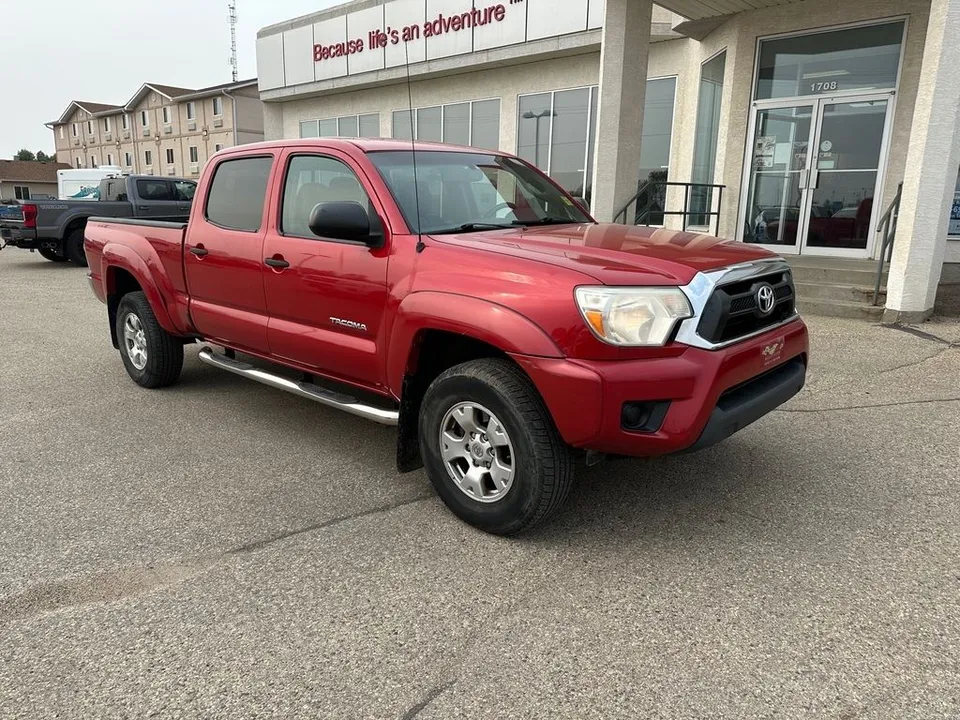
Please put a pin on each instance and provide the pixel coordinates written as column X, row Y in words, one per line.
column 151, row 355
column 51, row 255
column 491, row 449
column 74, row 247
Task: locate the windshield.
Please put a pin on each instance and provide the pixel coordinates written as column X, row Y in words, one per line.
column 464, row 191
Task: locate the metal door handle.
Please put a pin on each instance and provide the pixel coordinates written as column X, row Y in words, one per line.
column 199, row 251
column 276, row 262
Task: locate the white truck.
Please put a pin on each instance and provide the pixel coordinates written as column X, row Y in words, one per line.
column 83, row 183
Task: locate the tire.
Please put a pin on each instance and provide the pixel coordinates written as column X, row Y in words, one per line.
column 73, row 246
column 153, row 358
column 540, row 462
column 51, row 255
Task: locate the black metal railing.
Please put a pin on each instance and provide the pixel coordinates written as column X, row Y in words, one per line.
column 887, row 229
column 649, row 205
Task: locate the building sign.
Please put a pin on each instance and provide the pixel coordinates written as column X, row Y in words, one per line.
column 378, row 38
column 411, row 31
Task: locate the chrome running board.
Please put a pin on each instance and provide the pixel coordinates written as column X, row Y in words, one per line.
column 307, row 390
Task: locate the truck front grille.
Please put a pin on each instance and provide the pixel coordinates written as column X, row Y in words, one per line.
column 732, row 311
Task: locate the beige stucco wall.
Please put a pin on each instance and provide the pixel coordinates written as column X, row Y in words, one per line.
column 506, row 83
column 36, row 188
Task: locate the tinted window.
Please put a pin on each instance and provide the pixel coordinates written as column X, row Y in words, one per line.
column 236, row 195
column 184, row 191
column 310, row 180
column 154, row 190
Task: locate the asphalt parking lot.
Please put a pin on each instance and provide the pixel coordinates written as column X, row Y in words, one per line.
column 221, row 549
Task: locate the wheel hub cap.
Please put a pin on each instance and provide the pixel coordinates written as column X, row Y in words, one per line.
column 135, row 341
column 477, row 452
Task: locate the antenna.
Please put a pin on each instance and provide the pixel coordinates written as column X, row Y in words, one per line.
column 232, row 5
column 413, row 148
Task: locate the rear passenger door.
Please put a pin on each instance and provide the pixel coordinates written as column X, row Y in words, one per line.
column 325, row 297
column 155, row 199
column 223, row 255
column 183, row 192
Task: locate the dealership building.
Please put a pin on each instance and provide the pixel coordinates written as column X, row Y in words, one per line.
column 796, row 126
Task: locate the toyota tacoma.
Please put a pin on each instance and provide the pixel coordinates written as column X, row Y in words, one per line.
column 462, row 296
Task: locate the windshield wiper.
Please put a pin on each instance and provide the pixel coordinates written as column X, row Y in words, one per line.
column 471, row 227
column 546, row 221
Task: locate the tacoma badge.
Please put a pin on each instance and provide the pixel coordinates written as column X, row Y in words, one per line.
column 349, row 323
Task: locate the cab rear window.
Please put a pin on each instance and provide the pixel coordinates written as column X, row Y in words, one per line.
column 236, row 196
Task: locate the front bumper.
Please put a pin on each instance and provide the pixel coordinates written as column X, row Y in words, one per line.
column 710, row 394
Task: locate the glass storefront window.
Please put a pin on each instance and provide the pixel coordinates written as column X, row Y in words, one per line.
column 485, row 125
column 533, row 129
column 706, row 136
column 347, row 126
column 858, row 58
column 475, row 123
column 430, row 124
column 456, row 124
column 556, row 132
column 655, row 142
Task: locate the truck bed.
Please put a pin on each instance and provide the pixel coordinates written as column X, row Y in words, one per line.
column 142, row 243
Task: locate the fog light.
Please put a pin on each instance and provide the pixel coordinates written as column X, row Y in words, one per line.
column 643, row 416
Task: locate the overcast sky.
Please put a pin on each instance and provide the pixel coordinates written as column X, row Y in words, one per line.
column 55, row 51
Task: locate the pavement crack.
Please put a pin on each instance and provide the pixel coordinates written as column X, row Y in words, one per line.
column 429, row 698
column 941, row 351
column 922, row 335
column 102, row 587
column 260, row 544
column 867, row 407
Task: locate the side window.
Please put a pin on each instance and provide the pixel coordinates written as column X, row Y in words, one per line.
column 236, row 195
column 184, row 191
column 154, row 190
column 312, row 179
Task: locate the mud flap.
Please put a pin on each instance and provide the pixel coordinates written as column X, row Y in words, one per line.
column 408, row 436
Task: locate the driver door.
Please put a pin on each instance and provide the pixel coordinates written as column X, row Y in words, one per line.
column 325, row 297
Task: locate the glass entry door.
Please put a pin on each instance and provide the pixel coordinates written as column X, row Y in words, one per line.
column 815, row 170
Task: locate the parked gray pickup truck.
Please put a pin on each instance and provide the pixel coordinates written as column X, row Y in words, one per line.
column 54, row 228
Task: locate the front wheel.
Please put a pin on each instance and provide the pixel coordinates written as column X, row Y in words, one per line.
column 491, row 449
column 152, row 356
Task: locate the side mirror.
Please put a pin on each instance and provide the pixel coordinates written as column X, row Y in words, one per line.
column 345, row 220
column 581, row 203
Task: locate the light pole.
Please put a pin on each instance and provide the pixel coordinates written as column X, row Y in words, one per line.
column 530, row 115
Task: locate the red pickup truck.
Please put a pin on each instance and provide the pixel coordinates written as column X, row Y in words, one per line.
column 462, row 296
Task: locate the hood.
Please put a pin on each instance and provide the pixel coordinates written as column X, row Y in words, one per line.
column 615, row 254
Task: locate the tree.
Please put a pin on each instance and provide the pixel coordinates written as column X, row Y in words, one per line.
column 43, row 157
column 25, row 154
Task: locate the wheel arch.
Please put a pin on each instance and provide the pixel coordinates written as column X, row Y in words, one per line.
column 125, row 272
column 436, row 331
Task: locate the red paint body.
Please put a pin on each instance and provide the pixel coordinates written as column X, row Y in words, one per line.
column 513, row 289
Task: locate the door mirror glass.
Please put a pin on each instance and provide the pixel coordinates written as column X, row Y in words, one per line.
column 343, row 220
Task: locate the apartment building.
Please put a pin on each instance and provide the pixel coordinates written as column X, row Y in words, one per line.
column 161, row 130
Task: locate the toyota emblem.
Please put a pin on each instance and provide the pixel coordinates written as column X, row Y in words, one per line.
column 765, row 299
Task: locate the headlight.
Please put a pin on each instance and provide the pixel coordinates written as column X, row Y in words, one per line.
column 633, row 315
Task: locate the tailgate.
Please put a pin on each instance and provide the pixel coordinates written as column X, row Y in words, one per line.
column 12, row 213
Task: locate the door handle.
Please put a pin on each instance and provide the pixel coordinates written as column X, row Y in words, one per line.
column 199, row 250
column 276, row 262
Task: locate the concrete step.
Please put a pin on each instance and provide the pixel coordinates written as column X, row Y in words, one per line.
column 839, row 308
column 864, row 274
column 838, row 291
